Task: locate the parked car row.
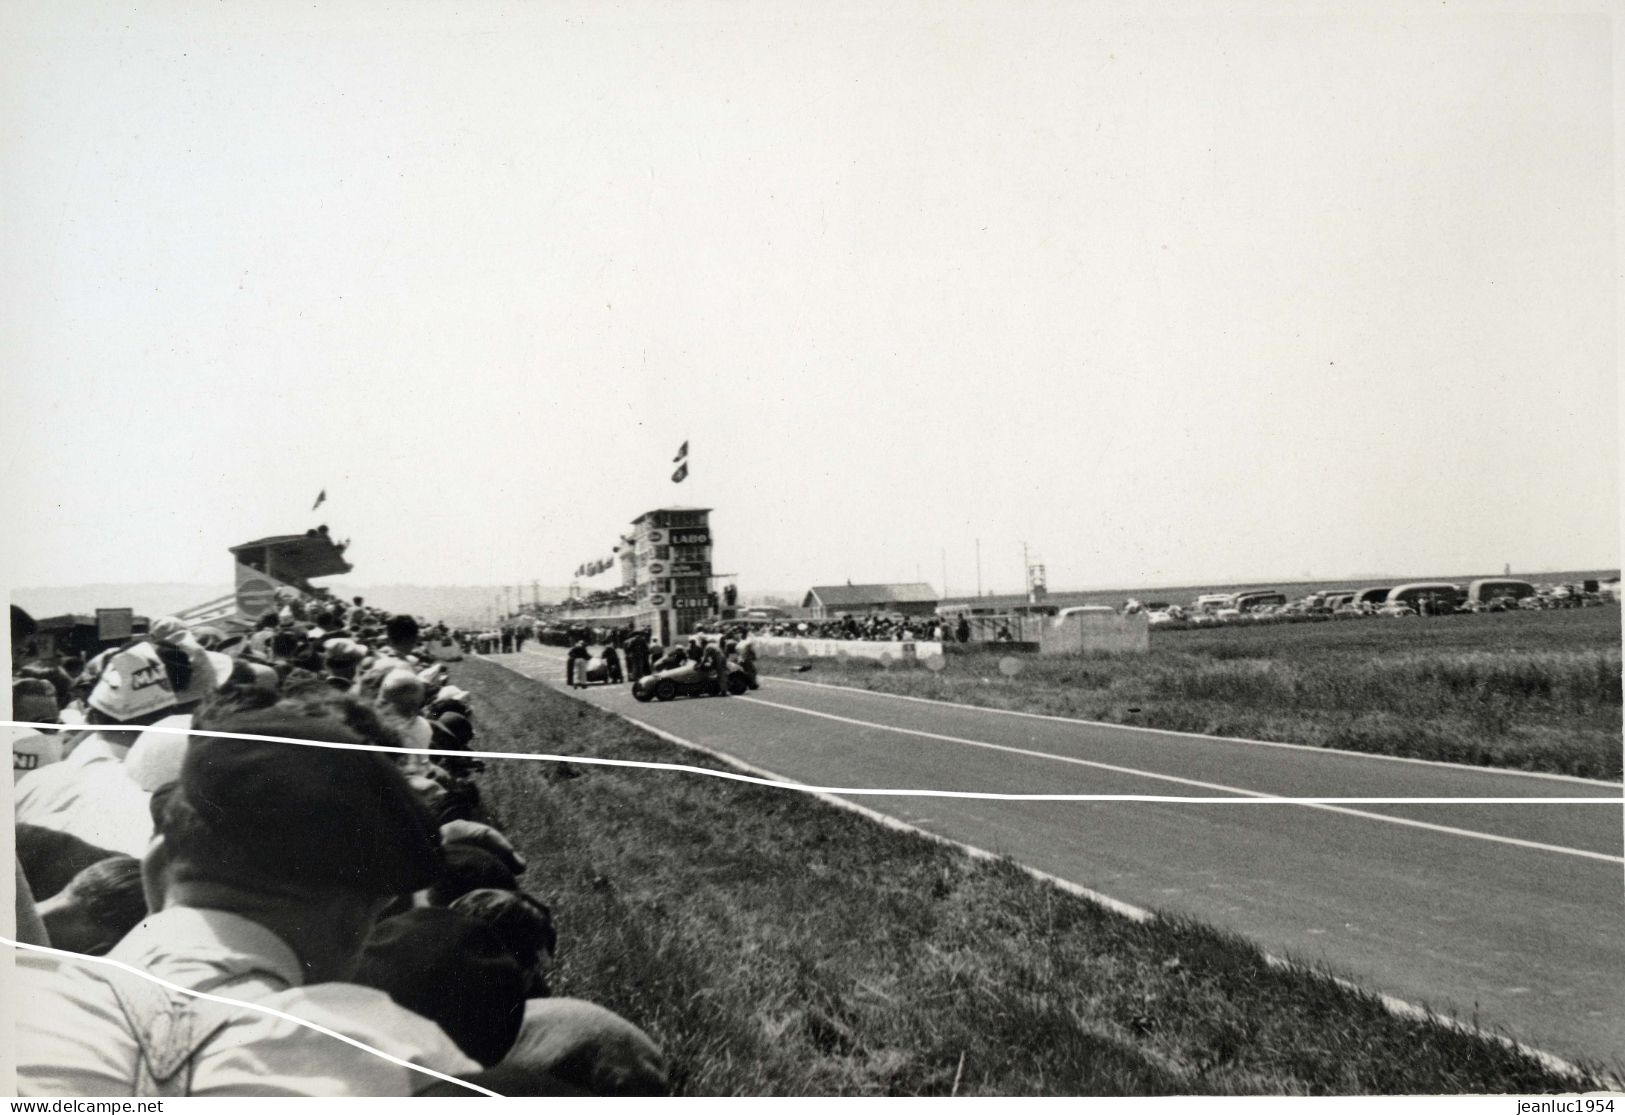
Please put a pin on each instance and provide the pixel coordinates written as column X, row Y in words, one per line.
column 1418, row 598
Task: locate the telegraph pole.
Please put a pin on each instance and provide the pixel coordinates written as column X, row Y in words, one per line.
column 978, row 568
column 945, row 572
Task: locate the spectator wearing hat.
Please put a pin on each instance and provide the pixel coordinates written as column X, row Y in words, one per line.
column 454, row 971
column 88, row 794
column 341, row 658
column 524, row 925
column 272, row 862
column 467, row 868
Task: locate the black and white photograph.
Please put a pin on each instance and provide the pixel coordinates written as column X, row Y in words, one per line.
column 706, row 548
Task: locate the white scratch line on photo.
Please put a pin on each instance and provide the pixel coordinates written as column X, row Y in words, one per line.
column 260, row 1007
column 1229, row 795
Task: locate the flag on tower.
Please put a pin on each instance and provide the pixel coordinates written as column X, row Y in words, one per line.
column 681, row 453
column 321, row 497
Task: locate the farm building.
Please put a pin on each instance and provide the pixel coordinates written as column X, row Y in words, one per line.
column 826, row 601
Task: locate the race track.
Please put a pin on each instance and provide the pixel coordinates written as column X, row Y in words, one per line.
column 1511, row 912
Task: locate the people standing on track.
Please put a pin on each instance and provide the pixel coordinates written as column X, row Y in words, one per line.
column 612, row 666
column 576, row 663
column 714, row 665
column 637, row 655
column 746, row 650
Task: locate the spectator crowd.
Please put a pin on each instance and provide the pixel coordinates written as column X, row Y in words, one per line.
column 874, row 627
column 352, row 881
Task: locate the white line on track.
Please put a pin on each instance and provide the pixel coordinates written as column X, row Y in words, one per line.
column 1393, row 1004
column 587, row 760
column 1201, row 735
column 1307, row 803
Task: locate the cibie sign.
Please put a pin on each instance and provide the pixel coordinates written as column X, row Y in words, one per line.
column 692, row 602
column 690, row 538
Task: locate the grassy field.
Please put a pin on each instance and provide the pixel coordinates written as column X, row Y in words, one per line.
column 1531, row 691
column 776, row 945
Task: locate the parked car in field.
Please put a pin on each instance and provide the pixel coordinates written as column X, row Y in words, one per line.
column 687, row 680
column 1397, row 610
column 1434, row 598
column 1259, row 599
column 1485, row 590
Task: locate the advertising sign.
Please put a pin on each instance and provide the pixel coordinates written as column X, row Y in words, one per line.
column 693, row 602
column 691, row 569
column 255, row 596
column 115, row 624
column 691, row 538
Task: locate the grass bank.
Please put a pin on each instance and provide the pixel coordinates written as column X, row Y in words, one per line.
column 776, row 945
column 1536, row 691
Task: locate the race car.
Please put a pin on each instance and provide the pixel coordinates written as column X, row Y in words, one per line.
column 687, row 681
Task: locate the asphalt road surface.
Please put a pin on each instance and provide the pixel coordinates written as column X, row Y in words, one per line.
column 1513, row 913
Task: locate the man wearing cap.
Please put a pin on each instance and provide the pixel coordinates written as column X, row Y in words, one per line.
column 88, row 794
column 270, row 865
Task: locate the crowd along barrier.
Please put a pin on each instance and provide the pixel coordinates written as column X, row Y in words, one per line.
column 774, row 646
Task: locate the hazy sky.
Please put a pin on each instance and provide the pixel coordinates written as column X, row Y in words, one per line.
column 1172, row 294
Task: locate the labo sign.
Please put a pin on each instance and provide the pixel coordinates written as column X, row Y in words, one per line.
column 690, row 538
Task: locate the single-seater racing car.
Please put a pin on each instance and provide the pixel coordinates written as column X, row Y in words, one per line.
column 687, row 680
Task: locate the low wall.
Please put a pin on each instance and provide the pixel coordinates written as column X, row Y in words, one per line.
column 773, row 646
column 1110, row 634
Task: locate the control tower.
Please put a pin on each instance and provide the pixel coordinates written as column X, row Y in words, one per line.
column 670, row 570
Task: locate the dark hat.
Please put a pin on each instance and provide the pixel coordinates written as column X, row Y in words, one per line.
column 442, row 738
column 313, row 814
column 459, row 726
column 452, row 970
column 469, row 867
